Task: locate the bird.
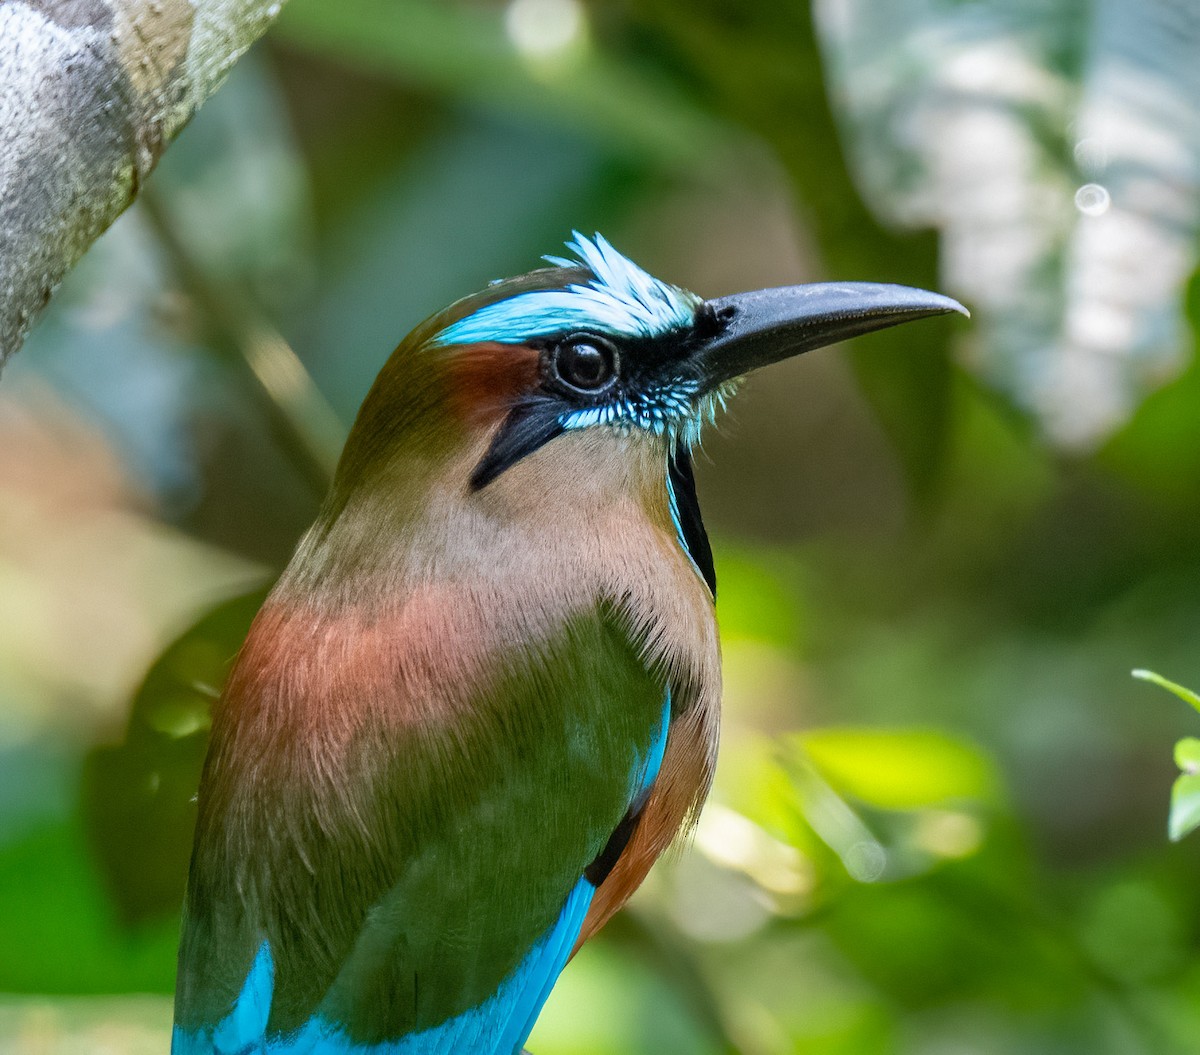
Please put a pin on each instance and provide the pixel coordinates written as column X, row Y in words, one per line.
column 484, row 694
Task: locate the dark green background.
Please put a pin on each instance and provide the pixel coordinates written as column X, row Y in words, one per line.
column 939, row 826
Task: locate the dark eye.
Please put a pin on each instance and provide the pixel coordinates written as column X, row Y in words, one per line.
column 586, row 363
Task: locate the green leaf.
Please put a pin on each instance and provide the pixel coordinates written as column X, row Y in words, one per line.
column 1184, row 694
column 1187, row 754
column 1185, row 806
column 901, row 769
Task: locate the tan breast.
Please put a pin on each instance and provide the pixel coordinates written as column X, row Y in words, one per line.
column 639, row 559
column 467, row 576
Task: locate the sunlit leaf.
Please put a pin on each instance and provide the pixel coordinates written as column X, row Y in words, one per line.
column 1185, row 806
column 900, row 769
column 1185, row 793
column 1187, row 754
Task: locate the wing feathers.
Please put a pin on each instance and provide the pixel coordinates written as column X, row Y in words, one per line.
column 464, row 898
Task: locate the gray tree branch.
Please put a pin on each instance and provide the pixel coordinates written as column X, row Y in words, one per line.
column 91, row 92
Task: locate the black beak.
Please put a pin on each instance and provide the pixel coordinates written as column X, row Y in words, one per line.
column 768, row 325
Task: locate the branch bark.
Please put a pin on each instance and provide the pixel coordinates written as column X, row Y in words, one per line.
column 91, row 93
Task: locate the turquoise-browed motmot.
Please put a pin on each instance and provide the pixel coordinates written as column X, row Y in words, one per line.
column 483, row 696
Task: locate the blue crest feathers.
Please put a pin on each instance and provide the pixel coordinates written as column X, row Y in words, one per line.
column 620, row 300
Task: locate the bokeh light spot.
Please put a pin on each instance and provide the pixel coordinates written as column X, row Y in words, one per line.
column 1092, row 199
column 543, row 29
column 947, row 833
column 866, row 861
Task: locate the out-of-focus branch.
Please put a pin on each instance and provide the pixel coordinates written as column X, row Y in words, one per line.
column 91, row 92
column 304, row 423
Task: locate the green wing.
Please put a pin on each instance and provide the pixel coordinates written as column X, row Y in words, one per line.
column 401, row 887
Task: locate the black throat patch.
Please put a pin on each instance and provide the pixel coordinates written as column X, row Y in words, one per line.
column 691, row 525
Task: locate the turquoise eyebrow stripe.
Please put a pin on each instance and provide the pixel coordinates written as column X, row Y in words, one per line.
column 621, row 300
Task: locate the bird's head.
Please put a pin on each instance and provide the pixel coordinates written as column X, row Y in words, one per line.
column 590, row 359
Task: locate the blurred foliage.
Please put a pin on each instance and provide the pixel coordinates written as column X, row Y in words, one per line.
column 152, row 774
column 938, row 819
column 1050, row 142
